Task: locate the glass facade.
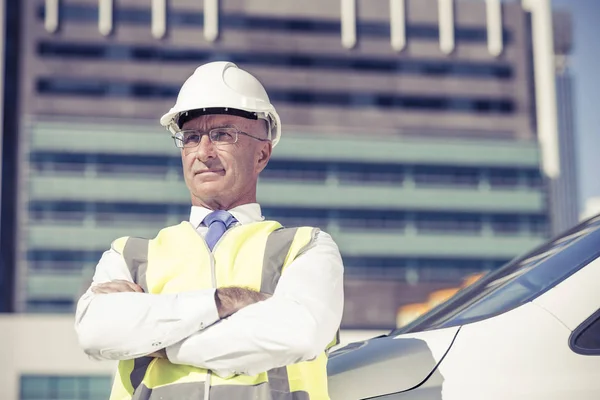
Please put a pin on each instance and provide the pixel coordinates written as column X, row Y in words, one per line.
column 84, row 225
column 145, row 90
column 420, row 164
column 412, row 66
column 55, row 387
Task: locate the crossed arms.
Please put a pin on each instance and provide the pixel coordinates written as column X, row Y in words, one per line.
column 229, row 331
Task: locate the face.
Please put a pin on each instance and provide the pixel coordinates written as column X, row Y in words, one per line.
column 224, row 176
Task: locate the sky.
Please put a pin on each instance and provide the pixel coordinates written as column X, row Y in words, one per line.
column 585, row 68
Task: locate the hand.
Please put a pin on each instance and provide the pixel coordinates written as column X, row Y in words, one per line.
column 230, row 300
column 117, row 286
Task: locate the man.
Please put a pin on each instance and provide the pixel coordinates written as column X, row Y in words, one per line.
column 227, row 305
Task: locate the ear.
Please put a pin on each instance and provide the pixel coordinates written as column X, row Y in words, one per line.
column 263, row 155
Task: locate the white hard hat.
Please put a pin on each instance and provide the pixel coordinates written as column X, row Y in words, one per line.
column 222, row 88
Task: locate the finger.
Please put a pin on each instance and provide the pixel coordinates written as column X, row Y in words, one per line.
column 100, row 287
column 101, row 290
column 121, row 285
column 114, row 287
column 134, row 286
column 104, row 289
column 137, row 288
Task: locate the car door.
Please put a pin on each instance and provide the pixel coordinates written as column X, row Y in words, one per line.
column 575, row 302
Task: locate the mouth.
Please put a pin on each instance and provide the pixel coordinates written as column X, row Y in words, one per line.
column 214, row 171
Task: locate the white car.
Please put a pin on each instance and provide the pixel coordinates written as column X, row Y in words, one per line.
column 527, row 331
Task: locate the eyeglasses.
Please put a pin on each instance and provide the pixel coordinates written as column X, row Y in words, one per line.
column 188, row 138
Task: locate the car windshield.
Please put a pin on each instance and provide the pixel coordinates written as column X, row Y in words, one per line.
column 516, row 283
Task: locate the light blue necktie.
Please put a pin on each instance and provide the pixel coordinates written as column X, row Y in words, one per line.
column 218, row 222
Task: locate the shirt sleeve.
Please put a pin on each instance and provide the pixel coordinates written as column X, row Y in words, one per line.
column 118, row 326
column 295, row 324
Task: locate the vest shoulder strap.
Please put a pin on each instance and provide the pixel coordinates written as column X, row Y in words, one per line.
column 284, row 245
column 134, row 251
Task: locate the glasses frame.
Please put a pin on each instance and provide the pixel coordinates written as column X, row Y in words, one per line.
column 178, row 136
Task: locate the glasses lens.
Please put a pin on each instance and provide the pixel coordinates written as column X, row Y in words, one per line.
column 190, row 138
column 223, row 135
column 177, row 138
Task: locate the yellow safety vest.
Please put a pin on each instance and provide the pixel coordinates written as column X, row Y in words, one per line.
column 252, row 256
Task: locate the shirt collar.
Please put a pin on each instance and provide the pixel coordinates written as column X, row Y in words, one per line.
column 245, row 214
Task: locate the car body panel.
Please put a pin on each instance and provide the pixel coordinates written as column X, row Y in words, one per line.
column 506, row 357
column 370, row 368
column 575, row 299
column 429, row 390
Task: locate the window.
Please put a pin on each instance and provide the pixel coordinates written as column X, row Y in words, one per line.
column 51, row 306
column 291, row 217
column 374, row 223
column 75, row 50
column 293, row 212
column 104, row 164
column 289, row 169
column 518, row 282
column 66, row 267
column 295, row 170
column 393, row 220
column 67, row 86
column 506, row 224
column 158, row 171
column 112, row 214
column 538, row 224
column 446, row 176
column 91, row 88
column 586, row 338
column 503, row 178
column 450, row 223
column 376, row 220
column 450, row 271
column 291, row 222
column 128, row 208
column 362, row 173
column 42, row 387
column 63, row 255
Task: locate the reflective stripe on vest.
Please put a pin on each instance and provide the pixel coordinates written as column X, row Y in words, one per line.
column 195, row 391
column 281, row 248
column 135, row 255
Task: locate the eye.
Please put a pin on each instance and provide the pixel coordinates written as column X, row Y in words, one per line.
column 191, row 138
column 223, row 135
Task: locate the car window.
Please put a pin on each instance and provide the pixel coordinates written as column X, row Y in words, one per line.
column 518, row 282
column 586, row 338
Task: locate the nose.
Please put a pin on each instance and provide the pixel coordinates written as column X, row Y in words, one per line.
column 205, row 149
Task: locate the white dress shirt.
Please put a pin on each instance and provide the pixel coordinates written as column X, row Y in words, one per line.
column 293, row 325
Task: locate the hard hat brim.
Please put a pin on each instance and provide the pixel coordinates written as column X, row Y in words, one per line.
column 172, row 119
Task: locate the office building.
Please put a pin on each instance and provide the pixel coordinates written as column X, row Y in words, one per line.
column 414, row 135
column 412, row 141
